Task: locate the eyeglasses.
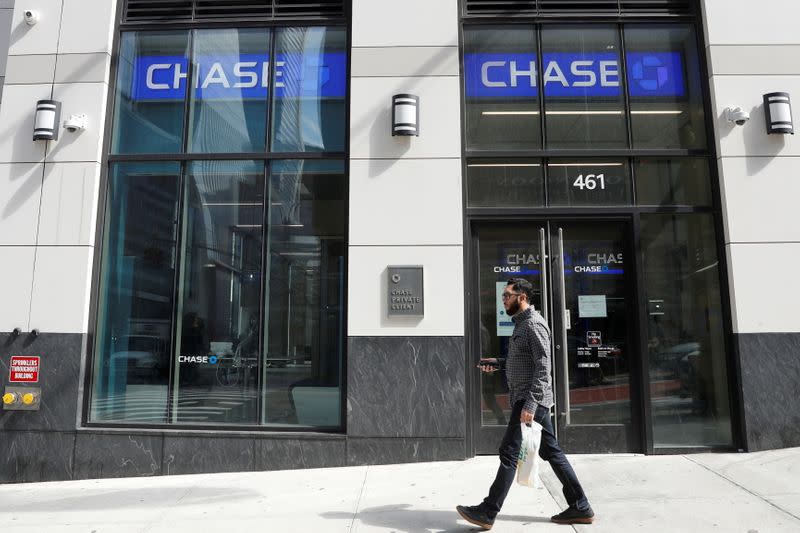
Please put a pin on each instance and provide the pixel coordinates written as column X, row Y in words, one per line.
column 508, row 295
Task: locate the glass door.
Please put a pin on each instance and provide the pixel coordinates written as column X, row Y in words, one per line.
column 583, row 288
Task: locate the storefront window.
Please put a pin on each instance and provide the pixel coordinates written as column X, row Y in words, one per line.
column 501, row 88
column 309, row 82
column 229, row 102
column 134, row 333
column 676, row 181
column 223, row 278
column 219, row 304
column 305, row 329
column 151, row 92
column 575, row 182
column 688, row 369
column 666, row 97
column 505, row 184
column 583, row 91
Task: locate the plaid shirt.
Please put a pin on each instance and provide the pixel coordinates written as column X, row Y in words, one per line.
column 528, row 362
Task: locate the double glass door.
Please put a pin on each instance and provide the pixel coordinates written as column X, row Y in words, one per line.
column 582, row 277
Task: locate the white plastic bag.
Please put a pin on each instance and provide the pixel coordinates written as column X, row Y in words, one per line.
column 528, row 463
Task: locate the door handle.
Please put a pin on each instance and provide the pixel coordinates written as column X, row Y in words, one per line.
column 543, row 273
column 564, row 354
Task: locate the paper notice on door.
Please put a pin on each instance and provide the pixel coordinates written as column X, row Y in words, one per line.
column 592, row 306
column 505, row 326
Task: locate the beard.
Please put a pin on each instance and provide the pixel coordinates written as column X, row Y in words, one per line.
column 513, row 308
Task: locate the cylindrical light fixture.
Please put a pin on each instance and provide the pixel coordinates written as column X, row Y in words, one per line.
column 46, row 123
column 778, row 110
column 405, row 115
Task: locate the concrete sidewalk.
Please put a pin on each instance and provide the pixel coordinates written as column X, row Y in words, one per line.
column 744, row 493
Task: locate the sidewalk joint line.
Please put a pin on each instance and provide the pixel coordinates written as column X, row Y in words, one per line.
column 358, row 502
column 753, row 493
column 555, row 500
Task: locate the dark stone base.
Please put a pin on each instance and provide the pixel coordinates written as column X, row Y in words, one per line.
column 770, row 369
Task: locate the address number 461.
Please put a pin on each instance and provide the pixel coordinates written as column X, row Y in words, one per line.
column 590, row 182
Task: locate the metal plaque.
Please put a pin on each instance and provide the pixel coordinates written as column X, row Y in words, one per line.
column 405, row 292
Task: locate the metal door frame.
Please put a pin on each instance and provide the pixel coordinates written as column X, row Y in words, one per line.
column 479, row 437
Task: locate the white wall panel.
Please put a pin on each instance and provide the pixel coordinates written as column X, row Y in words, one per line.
column 750, row 60
column 407, row 23
column 61, row 286
column 5, row 33
column 405, row 61
column 16, row 275
column 747, row 92
column 20, row 194
column 370, row 118
column 16, row 123
column 31, row 69
column 748, row 22
column 405, row 201
column 41, row 38
column 80, row 98
column 83, row 68
column 87, row 26
column 765, row 288
column 443, row 287
column 761, row 198
column 69, row 204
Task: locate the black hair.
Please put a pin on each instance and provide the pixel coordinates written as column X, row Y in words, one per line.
column 522, row 285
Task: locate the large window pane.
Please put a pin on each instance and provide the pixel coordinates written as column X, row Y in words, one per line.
column 664, row 182
column 583, row 95
column 229, row 102
column 588, row 182
column 665, row 87
column 688, row 369
column 505, row 183
column 501, row 88
column 151, row 89
column 134, row 331
column 304, row 326
column 219, row 308
column 310, row 82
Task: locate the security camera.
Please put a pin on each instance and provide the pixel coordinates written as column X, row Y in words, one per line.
column 31, row 17
column 737, row 115
column 75, row 123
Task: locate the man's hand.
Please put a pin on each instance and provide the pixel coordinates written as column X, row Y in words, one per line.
column 489, row 365
column 526, row 417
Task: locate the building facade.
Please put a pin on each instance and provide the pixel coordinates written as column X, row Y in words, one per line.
column 228, row 262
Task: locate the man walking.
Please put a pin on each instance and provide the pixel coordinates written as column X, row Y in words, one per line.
column 528, row 374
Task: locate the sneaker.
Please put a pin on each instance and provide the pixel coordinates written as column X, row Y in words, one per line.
column 573, row 515
column 474, row 514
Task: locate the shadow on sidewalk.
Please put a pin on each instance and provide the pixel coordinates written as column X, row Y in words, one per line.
column 401, row 518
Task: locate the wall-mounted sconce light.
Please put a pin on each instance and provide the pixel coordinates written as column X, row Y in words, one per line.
column 405, row 115
column 45, row 125
column 778, row 110
column 31, row 17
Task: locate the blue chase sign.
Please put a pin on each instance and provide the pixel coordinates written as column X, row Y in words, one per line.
column 514, row 75
column 242, row 76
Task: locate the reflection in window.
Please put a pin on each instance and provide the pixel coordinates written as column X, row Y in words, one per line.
column 219, row 303
column 678, row 181
column 583, row 96
column 134, row 333
column 505, row 184
column 229, row 102
column 666, row 97
column 304, row 327
column 588, row 182
column 309, row 82
column 501, row 88
column 688, row 370
column 151, row 89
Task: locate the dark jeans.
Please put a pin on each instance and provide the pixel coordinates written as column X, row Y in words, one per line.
column 550, row 451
